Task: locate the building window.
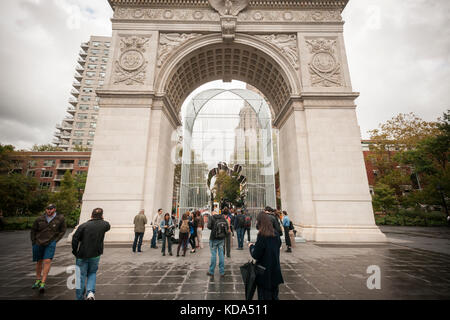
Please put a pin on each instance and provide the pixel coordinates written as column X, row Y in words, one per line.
column 92, row 66
column 81, row 125
column 79, row 173
column 31, row 173
column 93, row 125
column 96, row 43
column 47, row 174
column 90, row 74
column 49, row 163
column 32, row 163
column 93, row 59
column 83, row 163
column 90, row 143
column 85, row 98
column 107, row 44
column 91, row 133
column 83, row 107
column 101, row 83
column 95, row 51
column 79, row 133
column 96, row 108
column 94, row 117
column 105, row 60
column 83, row 116
column 103, row 67
column 89, row 82
column 77, row 142
column 45, row 185
column 88, row 90
column 106, row 52
column 102, row 74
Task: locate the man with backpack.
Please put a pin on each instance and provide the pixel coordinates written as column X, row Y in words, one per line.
column 247, row 225
column 239, row 225
column 219, row 229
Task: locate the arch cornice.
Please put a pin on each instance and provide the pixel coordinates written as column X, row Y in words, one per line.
column 288, row 71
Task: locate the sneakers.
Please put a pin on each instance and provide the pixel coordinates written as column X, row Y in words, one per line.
column 90, row 296
column 36, row 285
column 42, row 287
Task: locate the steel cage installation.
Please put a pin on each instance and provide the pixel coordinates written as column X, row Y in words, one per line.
column 258, row 163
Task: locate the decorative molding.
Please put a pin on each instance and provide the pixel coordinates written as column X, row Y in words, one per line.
column 287, row 44
column 168, row 42
column 289, row 16
column 228, row 24
column 324, row 67
column 209, row 15
column 130, row 67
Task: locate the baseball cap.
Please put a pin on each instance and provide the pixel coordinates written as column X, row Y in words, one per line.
column 51, row 206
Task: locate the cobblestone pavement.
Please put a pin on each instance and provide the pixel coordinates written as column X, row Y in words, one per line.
column 312, row 271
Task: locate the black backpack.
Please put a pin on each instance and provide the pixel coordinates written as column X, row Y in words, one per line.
column 291, row 226
column 248, row 222
column 220, row 228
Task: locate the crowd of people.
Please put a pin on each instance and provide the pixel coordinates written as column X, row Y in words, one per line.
column 88, row 242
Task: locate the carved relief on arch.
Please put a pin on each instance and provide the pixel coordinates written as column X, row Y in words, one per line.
column 287, row 44
column 131, row 65
column 324, row 66
column 169, row 42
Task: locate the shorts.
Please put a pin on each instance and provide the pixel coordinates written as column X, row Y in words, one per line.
column 44, row 253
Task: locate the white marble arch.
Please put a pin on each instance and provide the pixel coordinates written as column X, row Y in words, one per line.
column 293, row 52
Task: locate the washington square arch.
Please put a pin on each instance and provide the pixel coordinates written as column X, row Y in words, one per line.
column 292, row 51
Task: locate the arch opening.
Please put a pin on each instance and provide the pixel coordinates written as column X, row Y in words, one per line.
column 228, row 62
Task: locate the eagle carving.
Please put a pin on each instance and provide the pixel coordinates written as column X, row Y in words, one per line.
column 229, row 7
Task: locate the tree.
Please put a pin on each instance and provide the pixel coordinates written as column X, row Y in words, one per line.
column 20, row 195
column 384, row 198
column 81, row 149
column 7, row 163
column 429, row 160
column 45, row 148
column 66, row 200
column 227, row 187
column 80, row 185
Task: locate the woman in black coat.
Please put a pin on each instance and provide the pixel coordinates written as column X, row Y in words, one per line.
column 266, row 252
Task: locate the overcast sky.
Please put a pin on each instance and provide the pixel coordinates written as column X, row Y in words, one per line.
column 398, row 53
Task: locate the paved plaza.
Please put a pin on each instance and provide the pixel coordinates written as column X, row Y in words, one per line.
column 415, row 264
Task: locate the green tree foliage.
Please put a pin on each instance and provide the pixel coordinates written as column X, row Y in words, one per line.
column 7, row 163
column 45, row 148
column 384, row 198
column 66, row 200
column 227, row 187
column 429, row 161
column 80, row 184
column 20, row 195
column 81, row 149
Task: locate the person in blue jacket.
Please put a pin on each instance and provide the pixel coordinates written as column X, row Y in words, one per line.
column 266, row 252
column 167, row 228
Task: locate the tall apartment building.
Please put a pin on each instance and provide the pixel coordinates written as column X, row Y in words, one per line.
column 78, row 128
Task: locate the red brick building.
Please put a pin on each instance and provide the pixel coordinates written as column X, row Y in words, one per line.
column 49, row 167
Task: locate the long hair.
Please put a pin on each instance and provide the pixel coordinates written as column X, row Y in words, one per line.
column 265, row 225
column 167, row 215
column 186, row 215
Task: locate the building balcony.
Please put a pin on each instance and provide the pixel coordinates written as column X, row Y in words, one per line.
column 83, row 54
column 85, row 45
column 71, row 110
column 79, row 69
column 56, row 142
column 57, row 134
column 78, row 76
column 75, row 93
column 65, row 166
column 81, row 61
column 59, row 126
column 73, row 101
column 58, row 177
column 76, row 85
column 69, row 119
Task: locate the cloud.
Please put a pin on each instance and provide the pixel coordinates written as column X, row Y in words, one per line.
column 398, row 54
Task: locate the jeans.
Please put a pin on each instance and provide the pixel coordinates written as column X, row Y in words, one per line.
column 227, row 245
column 287, row 237
column 86, row 269
column 240, row 237
column 248, row 233
column 155, row 236
column 216, row 246
column 184, row 237
column 169, row 242
column 138, row 237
